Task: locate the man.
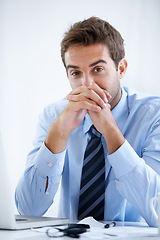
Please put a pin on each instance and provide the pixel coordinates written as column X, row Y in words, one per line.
column 127, row 124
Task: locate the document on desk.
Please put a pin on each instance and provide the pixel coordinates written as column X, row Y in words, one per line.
column 97, row 231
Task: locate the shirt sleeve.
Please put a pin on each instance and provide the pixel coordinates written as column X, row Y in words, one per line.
column 38, row 185
column 135, row 179
column 49, row 164
column 32, row 196
column 124, row 160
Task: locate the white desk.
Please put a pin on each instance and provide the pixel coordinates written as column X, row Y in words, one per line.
column 22, row 235
column 33, row 235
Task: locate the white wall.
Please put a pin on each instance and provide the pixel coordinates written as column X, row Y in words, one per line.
column 32, row 74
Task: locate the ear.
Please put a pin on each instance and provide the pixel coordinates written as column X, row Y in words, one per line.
column 122, row 68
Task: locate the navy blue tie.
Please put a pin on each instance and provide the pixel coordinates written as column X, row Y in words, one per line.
column 92, row 189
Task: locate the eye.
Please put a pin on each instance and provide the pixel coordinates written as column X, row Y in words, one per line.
column 98, row 69
column 75, row 73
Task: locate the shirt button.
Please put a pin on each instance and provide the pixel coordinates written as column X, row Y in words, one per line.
column 60, row 163
column 47, row 193
column 50, row 165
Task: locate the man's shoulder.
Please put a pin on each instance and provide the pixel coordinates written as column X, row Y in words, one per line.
column 137, row 100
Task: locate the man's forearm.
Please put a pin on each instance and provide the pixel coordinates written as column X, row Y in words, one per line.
column 56, row 140
column 107, row 126
column 113, row 136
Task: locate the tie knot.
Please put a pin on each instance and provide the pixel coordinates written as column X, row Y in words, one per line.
column 95, row 132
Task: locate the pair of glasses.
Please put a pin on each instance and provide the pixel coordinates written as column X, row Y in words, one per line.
column 73, row 230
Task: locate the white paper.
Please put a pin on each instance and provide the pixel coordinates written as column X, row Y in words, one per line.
column 97, row 231
column 92, row 222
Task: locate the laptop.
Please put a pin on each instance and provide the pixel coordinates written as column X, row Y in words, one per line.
column 16, row 222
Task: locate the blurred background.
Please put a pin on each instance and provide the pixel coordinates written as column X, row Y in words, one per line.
column 31, row 71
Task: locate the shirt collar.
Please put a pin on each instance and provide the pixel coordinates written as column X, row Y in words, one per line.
column 120, row 113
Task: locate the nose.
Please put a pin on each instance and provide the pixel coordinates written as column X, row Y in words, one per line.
column 87, row 81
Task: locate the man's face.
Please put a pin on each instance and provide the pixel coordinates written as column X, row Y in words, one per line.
column 92, row 64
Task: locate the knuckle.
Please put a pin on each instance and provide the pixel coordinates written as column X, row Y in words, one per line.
column 91, row 92
column 99, row 101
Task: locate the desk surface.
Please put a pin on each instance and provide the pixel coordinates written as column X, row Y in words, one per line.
column 118, row 232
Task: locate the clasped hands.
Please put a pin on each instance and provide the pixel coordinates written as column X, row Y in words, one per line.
column 82, row 100
column 92, row 100
column 94, row 97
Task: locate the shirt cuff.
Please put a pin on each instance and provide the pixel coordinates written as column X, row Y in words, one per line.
column 48, row 163
column 124, row 160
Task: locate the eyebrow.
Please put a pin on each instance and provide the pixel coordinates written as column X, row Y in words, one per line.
column 91, row 65
column 99, row 61
column 71, row 66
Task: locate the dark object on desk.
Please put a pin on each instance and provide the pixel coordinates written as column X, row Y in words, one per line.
column 109, row 225
column 73, row 225
column 73, row 230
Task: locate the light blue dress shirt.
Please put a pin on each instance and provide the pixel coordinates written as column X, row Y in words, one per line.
column 132, row 172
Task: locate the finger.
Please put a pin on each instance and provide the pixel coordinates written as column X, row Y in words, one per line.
column 87, row 96
column 78, row 90
column 99, row 91
column 109, row 105
column 88, row 106
column 107, row 94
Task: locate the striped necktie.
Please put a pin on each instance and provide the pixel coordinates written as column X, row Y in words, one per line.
column 92, row 189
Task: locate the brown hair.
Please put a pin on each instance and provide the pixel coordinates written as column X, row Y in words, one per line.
column 94, row 30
